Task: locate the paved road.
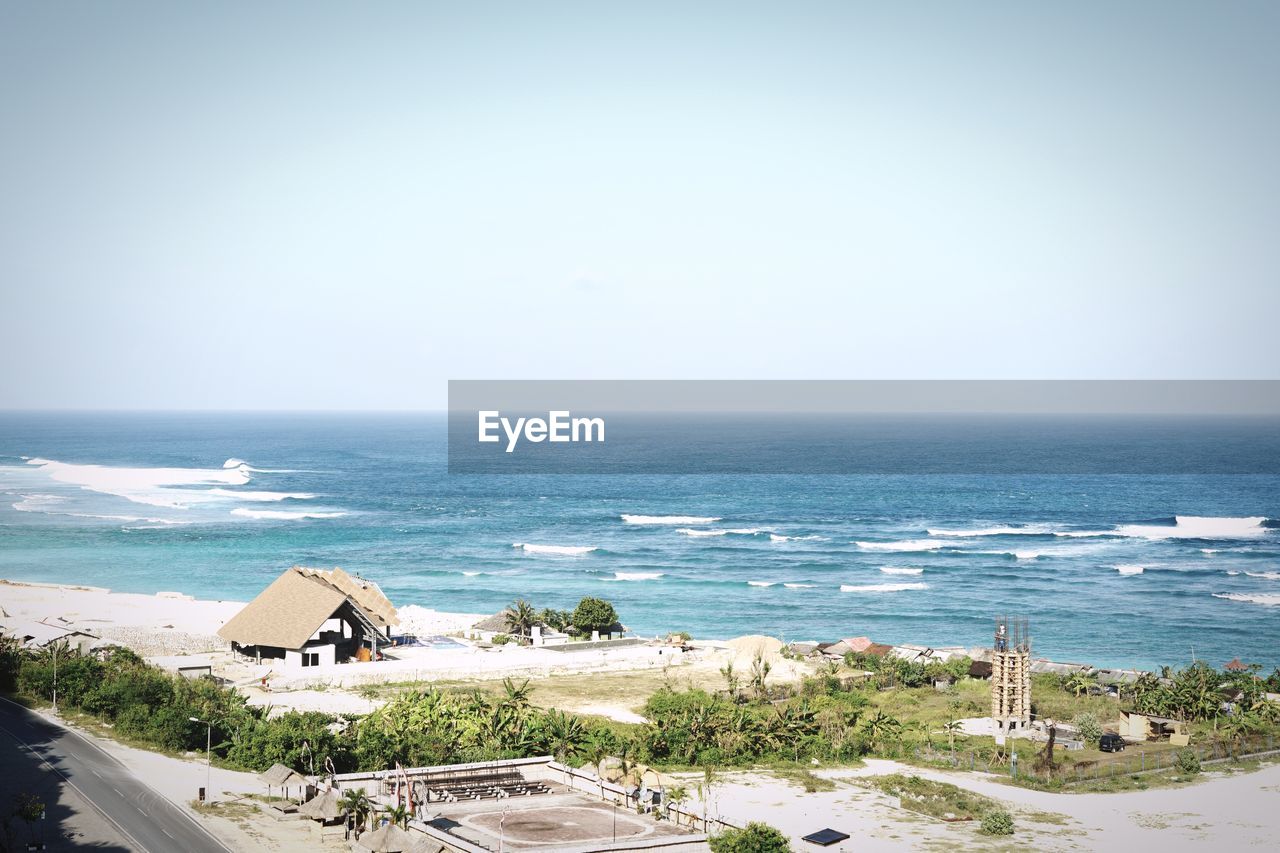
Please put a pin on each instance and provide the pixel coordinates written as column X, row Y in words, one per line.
column 146, row 819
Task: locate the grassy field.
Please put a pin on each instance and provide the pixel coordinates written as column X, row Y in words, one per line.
column 624, row 690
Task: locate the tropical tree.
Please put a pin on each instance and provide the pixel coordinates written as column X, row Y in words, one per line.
column 564, row 734
column 881, row 730
column 731, row 680
column 399, row 815
column 759, row 672
column 521, row 617
column 1239, row 726
column 356, row 804
column 677, row 795
column 953, row 728
column 1078, row 683
column 593, row 614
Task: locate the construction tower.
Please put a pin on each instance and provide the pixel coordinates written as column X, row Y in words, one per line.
column 1011, row 677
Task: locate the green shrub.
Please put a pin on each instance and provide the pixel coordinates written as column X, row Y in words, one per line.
column 755, row 838
column 1188, row 762
column 997, row 822
column 1089, row 727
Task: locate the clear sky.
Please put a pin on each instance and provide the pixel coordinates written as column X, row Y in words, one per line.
column 342, row 206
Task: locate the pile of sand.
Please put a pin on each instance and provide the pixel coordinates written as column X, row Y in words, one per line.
column 744, row 650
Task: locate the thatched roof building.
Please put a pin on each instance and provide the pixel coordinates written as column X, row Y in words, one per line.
column 293, row 612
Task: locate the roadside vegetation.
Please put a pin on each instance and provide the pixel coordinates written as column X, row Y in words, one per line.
column 835, row 717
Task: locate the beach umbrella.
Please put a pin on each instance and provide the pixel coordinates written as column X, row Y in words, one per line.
column 323, row 806
column 386, row 839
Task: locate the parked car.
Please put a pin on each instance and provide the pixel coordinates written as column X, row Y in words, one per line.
column 1111, row 742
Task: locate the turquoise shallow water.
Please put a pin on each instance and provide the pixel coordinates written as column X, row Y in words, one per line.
column 902, row 558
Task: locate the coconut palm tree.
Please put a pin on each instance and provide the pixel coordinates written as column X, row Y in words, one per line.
column 356, row 803
column 399, row 815
column 676, row 796
column 521, row 617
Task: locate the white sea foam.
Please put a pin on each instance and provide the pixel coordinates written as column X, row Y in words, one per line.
column 895, row 570
column 1268, row 599
column 48, row 504
column 762, row 583
column 562, row 550
column 1270, row 576
column 283, row 515
column 261, row 497
column 883, row 587
column 1127, row 569
column 38, row 503
column 798, row 585
column 1084, row 534
column 1197, row 527
column 670, row 519
column 472, row 574
column 234, row 463
column 908, row 545
column 151, row 486
column 1210, row 550
column 1019, row 554
column 778, row 537
column 737, row 531
column 637, row 576
column 1030, row 530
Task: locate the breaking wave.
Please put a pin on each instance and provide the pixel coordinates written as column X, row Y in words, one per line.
column 1197, row 527
column 909, row 545
column 1269, row 576
column 798, row 585
column 894, row 570
column 164, row 487
column 1030, row 530
column 762, row 583
column 562, row 550
column 1267, row 599
column 778, row 537
column 283, row 515
column 737, row 531
column 637, row 576
column 261, row 497
column 670, row 519
column 1126, row 569
column 882, row 587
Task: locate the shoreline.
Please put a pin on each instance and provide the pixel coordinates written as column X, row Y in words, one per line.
column 144, row 621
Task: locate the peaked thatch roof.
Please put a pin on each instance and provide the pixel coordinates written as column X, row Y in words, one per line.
column 323, row 806
column 294, row 607
column 386, row 839
column 279, row 776
column 497, row 622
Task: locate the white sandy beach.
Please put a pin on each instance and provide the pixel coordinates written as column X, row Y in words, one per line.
column 171, row 629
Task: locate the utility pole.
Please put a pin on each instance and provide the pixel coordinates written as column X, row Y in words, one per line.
column 208, row 757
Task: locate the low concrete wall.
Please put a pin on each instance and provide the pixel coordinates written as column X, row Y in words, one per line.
column 588, row 783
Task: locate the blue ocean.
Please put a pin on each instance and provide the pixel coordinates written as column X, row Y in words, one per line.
column 1120, row 570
